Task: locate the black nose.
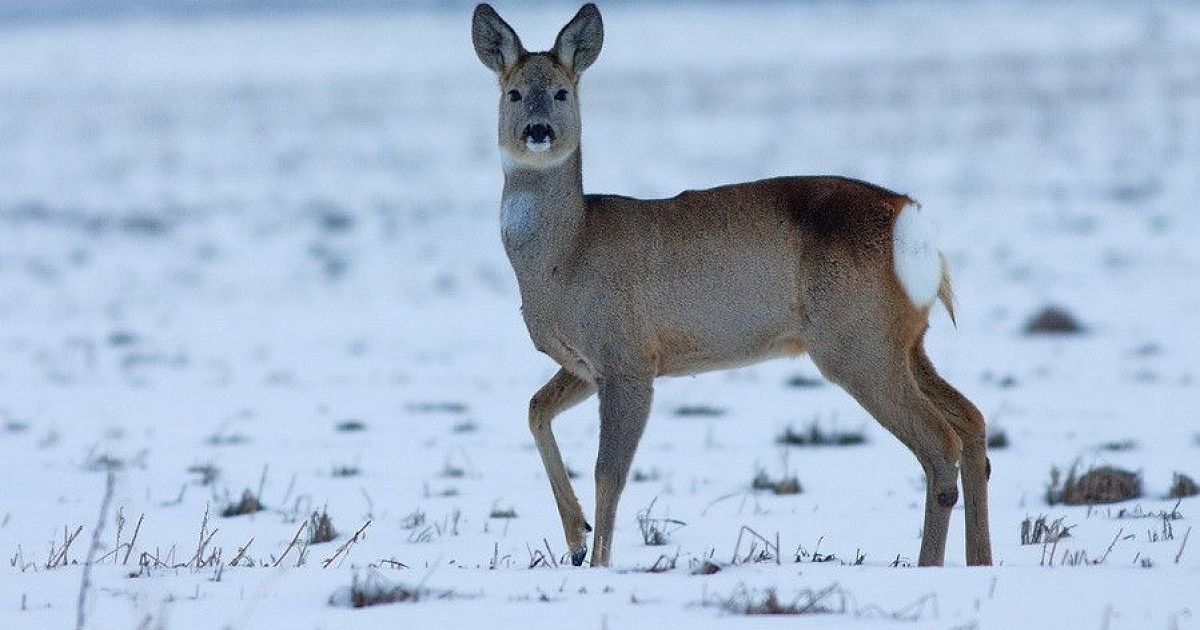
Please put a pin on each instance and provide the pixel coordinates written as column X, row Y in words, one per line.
column 539, row 133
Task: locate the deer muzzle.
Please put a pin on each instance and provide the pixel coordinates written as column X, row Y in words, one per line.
column 538, row 137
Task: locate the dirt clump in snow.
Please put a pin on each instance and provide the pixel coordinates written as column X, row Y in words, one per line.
column 1053, row 320
column 1182, row 487
column 320, row 528
column 248, row 504
column 1106, row 484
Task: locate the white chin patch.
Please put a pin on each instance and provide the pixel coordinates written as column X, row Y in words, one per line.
column 537, row 147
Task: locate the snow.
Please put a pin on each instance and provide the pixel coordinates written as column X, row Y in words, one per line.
column 223, row 239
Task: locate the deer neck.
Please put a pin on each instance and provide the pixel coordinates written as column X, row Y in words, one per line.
column 540, row 214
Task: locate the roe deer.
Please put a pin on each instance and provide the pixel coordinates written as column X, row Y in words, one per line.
column 619, row 291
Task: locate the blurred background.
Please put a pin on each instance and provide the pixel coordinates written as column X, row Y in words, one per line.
column 228, row 227
column 159, row 155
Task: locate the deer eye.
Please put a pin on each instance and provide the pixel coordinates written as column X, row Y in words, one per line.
column 514, row 95
column 560, row 95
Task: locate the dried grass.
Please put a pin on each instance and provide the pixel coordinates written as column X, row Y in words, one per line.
column 248, row 504
column 831, row 600
column 350, row 426
column 642, row 476
column 350, row 470
column 801, row 381
column 320, row 528
column 498, row 512
column 814, row 435
column 1182, row 487
column 656, row 532
column 445, row 406
column 374, row 590
column 997, row 439
column 785, row 485
column 1042, row 530
column 1053, row 320
column 1105, row 484
column 698, row 411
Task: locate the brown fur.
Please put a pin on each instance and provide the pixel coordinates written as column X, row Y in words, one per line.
column 620, row 291
column 526, row 57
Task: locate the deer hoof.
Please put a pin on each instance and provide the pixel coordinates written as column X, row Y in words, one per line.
column 578, row 555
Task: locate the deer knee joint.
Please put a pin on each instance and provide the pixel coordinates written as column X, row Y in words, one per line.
column 537, row 414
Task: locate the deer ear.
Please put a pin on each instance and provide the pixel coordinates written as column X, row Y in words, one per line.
column 495, row 41
column 578, row 43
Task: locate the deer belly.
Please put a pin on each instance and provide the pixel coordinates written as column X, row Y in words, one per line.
column 562, row 352
column 688, row 354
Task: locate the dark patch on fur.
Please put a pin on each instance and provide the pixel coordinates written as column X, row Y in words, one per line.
column 948, row 498
column 828, row 211
column 840, row 209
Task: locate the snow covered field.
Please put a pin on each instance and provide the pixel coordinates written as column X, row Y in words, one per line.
column 262, row 253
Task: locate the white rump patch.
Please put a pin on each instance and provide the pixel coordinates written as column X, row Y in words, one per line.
column 916, row 259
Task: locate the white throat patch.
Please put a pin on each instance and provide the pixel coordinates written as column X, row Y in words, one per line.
column 517, row 220
column 511, row 162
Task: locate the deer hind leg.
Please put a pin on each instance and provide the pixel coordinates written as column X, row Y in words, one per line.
column 624, row 407
column 968, row 422
column 877, row 374
column 563, row 391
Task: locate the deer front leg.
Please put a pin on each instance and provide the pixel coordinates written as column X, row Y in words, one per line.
column 563, row 391
column 624, row 407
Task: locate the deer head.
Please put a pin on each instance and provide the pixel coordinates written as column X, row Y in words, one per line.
column 539, row 106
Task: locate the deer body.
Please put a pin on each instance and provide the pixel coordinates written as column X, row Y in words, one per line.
column 619, row 291
column 707, row 279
